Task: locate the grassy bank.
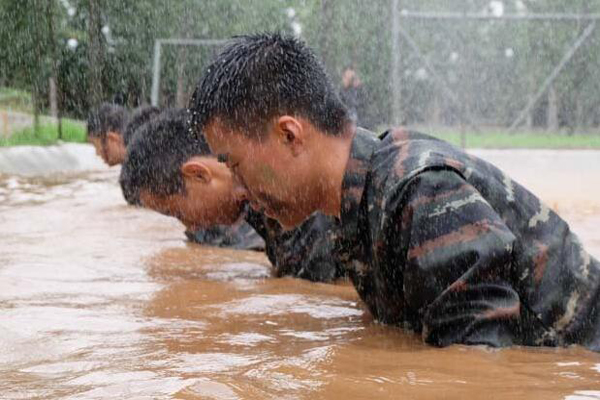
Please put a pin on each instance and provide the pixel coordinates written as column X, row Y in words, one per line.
column 74, row 131
column 525, row 141
column 15, row 100
column 16, row 105
column 47, row 134
column 519, row 140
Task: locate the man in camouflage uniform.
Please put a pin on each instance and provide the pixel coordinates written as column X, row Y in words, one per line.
column 155, row 175
column 240, row 235
column 449, row 245
column 437, row 240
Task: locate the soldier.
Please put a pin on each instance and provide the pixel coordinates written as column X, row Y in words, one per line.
column 145, row 167
column 172, row 172
column 105, row 128
column 439, row 241
column 112, row 147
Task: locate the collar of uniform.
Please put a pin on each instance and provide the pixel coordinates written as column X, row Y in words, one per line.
column 355, row 176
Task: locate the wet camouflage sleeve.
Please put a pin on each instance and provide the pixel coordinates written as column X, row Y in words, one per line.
column 458, row 263
column 307, row 252
column 447, row 244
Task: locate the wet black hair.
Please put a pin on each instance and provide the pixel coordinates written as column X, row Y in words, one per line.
column 258, row 77
column 108, row 117
column 156, row 153
column 138, row 118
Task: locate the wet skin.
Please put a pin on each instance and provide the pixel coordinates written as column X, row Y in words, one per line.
column 211, row 196
column 290, row 172
column 99, row 147
column 111, row 149
column 262, row 175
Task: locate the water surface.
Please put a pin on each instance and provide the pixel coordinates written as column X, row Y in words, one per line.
column 100, row 300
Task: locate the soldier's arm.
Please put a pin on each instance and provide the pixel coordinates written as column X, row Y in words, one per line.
column 458, row 263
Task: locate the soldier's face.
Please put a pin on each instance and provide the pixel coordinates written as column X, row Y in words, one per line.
column 211, row 196
column 110, row 148
column 99, row 146
column 273, row 170
column 115, row 148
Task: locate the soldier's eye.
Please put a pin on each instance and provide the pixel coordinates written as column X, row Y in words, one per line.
column 223, row 158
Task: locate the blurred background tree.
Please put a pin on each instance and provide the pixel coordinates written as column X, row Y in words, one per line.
column 71, row 55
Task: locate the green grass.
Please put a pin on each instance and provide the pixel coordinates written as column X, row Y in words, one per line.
column 15, row 100
column 74, row 131
column 498, row 139
column 47, row 134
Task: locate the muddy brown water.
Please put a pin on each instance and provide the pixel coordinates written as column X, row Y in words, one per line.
column 100, row 300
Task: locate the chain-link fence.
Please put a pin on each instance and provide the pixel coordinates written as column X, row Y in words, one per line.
column 495, row 73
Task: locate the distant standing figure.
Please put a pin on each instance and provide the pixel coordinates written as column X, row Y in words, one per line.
column 354, row 96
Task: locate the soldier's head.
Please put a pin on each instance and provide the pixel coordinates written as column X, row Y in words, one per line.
column 139, row 117
column 171, row 171
column 105, row 128
column 267, row 106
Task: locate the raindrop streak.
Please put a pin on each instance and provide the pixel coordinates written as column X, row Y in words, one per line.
column 103, row 300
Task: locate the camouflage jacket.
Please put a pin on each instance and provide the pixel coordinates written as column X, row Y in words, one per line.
column 448, row 245
column 306, row 252
column 239, row 236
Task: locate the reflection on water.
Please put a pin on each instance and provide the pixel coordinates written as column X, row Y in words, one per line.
column 100, row 300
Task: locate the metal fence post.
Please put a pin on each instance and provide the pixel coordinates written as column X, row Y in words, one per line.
column 396, row 69
column 155, row 74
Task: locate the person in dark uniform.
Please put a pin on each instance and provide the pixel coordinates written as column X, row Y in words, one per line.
column 237, row 236
column 172, row 172
column 435, row 240
column 354, row 97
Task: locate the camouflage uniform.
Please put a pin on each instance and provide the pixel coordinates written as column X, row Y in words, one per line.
column 446, row 244
column 239, row 236
column 306, row 252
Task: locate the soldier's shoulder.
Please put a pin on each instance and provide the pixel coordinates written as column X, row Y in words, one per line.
column 403, row 134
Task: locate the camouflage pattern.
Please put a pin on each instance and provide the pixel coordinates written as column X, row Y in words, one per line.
column 306, row 252
column 239, row 236
column 446, row 244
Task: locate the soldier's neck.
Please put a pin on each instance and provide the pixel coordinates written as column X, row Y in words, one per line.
column 334, row 157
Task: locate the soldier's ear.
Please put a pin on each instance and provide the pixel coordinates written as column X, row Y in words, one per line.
column 114, row 138
column 291, row 133
column 197, row 171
